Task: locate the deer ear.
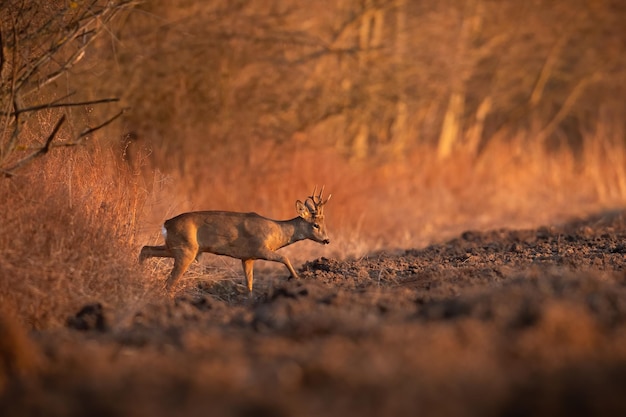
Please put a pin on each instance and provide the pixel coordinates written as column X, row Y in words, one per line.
column 303, row 210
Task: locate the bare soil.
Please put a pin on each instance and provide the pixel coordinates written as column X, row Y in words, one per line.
column 504, row 322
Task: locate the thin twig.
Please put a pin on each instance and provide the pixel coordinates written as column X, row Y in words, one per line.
column 8, row 149
column 103, row 124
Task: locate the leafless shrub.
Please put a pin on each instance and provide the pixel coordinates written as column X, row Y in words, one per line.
column 41, row 42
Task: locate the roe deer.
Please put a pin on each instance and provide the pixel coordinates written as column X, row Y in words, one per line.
column 245, row 236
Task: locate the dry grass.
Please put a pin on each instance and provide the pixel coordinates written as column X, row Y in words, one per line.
column 75, row 221
column 382, row 204
column 68, row 237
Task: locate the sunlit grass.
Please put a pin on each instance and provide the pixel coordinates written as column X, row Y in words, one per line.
column 75, row 221
column 69, row 237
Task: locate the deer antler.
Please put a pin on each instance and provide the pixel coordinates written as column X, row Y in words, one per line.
column 315, row 203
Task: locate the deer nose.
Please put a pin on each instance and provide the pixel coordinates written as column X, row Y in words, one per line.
column 326, row 241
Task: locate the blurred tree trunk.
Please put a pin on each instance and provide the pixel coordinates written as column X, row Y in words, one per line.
column 370, row 40
column 463, row 64
column 399, row 134
column 452, row 122
column 368, row 76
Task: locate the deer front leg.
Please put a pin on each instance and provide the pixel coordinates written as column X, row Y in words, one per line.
column 248, row 269
column 292, row 271
column 276, row 257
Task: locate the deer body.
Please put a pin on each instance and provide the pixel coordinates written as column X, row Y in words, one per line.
column 245, row 236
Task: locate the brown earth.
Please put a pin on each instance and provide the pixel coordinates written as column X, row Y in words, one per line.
column 505, row 322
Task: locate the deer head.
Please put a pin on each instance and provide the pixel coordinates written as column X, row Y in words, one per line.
column 312, row 210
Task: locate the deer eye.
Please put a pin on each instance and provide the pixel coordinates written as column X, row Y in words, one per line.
column 316, row 226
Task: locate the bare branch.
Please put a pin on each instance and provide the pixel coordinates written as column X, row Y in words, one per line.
column 68, row 64
column 81, row 29
column 57, row 105
column 81, row 136
column 9, row 172
column 41, row 48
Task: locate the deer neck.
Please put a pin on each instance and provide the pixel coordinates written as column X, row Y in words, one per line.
column 294, row 230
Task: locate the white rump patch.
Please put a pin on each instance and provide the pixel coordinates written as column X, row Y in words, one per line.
column 164, row 231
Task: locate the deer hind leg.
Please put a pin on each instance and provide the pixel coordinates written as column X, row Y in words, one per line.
column 154, row 252
column 183, row 257
column 248, row 269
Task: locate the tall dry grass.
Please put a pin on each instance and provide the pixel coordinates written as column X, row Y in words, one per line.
column 68, row 237
column 74, row 221
column 379, row 203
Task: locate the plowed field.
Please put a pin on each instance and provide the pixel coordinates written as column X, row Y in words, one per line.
column 505, row 322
